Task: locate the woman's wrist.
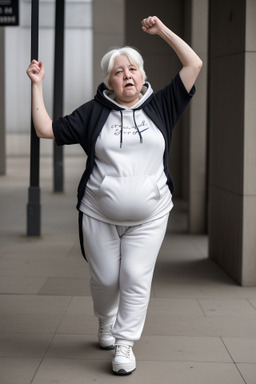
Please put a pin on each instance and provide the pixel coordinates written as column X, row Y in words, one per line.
column 37, row 85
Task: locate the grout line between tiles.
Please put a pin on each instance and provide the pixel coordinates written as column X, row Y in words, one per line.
column 50, row 342
column 202, row 309
column 232, row 359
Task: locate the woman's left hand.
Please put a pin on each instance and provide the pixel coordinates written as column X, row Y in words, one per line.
column 191, row 63
column 152, row 25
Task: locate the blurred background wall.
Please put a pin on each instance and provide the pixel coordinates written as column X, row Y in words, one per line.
column 213, row 157
column 77, row 66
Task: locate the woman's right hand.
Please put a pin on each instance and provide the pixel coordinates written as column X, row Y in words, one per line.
column 36, row 71
column 152, row 25
column 41, row 118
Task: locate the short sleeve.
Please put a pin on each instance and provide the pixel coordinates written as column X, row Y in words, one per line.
column 173, row 100
column 69, row 129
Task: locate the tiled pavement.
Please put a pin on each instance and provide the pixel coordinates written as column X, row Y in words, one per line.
column 200, row 328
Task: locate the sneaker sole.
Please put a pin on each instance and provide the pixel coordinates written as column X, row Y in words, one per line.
column 107, row 348
column 122, row 372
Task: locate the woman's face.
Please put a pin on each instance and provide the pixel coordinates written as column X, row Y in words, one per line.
column 126, row 81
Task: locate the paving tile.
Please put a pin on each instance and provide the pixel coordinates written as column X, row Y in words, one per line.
column 188, row 268
column 66, row 287
column 180, row 290
column 174, row 307
column 80, row 371
column 18, row 285
column 44, row 268
column 31, row 314
column 17, row 371
column 79, row 319
column 185, row 246
column 227, row 307
column 29, row 304
column 184, row 373
column 187, row 276
column 38, row 249
column 30, row 323
column 172, row 280
column 253, row 302
column 80, row 305
column 181, row 348
column 77, row 347
column 242, row 350
column 229, row 290
column 248, row 372
column 14, row 345
column 221, row 326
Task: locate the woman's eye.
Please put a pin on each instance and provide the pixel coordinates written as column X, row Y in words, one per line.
column 118, row 72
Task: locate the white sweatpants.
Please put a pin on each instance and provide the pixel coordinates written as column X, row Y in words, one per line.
column 121, row 261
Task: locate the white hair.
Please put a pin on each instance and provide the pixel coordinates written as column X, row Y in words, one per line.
column 108, row 61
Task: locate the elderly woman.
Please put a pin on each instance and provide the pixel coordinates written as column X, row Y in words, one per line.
column 125, row 193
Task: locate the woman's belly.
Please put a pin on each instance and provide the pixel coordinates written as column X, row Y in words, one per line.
column 127, row 198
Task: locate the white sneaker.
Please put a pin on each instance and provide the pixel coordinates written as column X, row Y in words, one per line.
column 124, row 361
column 105, row 337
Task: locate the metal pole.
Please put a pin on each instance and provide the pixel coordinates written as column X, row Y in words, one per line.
column 33, row 206
column 2, row 103
column 58, row 90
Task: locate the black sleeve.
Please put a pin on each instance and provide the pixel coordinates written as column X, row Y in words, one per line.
column 71, row 129
column 173, row 100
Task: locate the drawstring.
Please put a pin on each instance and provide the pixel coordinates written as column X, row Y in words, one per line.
column 122, row 129
column 141, row 138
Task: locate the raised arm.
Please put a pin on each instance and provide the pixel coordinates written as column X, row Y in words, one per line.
column 191, row 63
column 41, row 119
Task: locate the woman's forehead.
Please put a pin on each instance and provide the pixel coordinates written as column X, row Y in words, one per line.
column 123, row 60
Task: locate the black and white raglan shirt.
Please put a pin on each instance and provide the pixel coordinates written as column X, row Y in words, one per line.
column 126, row 180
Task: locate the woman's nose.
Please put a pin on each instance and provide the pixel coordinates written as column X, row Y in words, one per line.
column 127, row 75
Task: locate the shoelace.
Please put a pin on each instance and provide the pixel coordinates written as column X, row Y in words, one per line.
column 123, row 350
column 105, row 329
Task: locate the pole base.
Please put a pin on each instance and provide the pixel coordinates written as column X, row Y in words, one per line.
column 33, row 212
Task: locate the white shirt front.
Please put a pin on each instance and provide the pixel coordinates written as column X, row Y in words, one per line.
column 128, row 183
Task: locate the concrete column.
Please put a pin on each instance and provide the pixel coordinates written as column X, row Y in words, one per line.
column 195, row 127
column 108, row 31
column 2, row 104
column 198, row 123
column 232, row 181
